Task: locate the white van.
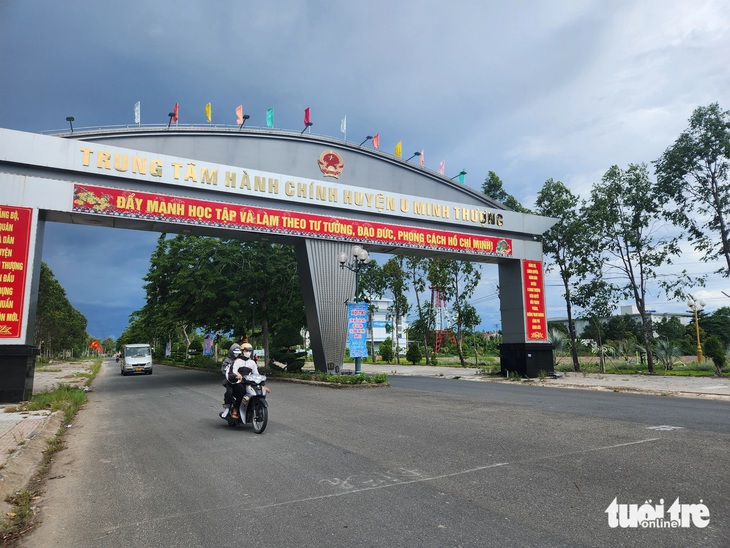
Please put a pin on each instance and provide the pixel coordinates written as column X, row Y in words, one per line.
column 136, row 358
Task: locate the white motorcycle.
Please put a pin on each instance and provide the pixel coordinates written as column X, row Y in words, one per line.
column 254, row 409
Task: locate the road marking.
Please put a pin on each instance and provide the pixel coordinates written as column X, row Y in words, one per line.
column 665, row 427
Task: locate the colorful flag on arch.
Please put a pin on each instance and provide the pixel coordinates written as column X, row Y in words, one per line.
column 137, row 112
column 307, row 120
column 399, row 149
column 175, row 113
column 461, row 176
column 208, row 113
column 442, row 167
column 343, row 125
column 423, row 156
column 376, row 140
column 239, row 114
column 270, row 117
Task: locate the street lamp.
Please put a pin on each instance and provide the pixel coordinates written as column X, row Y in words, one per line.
column 414, row 155
column 695, row 306
column 70, row 120
column 358, row 261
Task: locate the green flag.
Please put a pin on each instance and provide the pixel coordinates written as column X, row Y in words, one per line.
column 270, row 117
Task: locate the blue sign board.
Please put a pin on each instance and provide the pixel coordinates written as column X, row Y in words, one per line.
column 357, row 329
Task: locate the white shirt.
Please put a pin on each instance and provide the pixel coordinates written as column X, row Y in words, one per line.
column 243, row 362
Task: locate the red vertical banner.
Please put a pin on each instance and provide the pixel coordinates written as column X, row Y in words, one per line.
column 15, row 224
column 535, row 319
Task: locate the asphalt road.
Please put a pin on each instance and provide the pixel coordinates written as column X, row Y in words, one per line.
column 426, row 462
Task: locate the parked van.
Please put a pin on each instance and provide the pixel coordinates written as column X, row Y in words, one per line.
column 136, row 358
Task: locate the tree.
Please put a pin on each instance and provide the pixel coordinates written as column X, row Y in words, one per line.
column 692, row 183
column 413, row 354
column 418, row 269
column 58, row 325
column 494, row 188
column 386, row 350
column 716, row 351
column 394, row 275
column 458, row 280
column 624, row 213
column 573, row 252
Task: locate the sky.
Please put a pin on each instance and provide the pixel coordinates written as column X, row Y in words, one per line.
column 531, row 90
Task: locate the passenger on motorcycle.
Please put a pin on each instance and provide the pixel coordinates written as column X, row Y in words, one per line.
column 243, row 365
column 233, row 352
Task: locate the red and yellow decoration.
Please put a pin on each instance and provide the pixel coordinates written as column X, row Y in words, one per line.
column 532, row 280
column 158, row 207
column 15, row 225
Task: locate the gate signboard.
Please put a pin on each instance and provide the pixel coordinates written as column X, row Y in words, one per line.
column 15, row 225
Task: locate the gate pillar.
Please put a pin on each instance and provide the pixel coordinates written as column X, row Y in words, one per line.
column 326, row 288
column 525, row 349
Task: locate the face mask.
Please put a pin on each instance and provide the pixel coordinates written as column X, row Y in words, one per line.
column 247, row 354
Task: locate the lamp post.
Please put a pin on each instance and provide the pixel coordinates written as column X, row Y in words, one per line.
column 414, row 155
column 695, row 306
column 70, row 120
column 358, row 261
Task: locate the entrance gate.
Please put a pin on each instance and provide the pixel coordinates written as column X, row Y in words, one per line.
column 319, row 194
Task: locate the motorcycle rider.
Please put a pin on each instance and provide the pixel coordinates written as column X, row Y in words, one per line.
column 233, row 353
column 243, row 365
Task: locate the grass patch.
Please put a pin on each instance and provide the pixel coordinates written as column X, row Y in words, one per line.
column 68, row 400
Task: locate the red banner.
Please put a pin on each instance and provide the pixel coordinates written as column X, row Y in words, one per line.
column 15, row 225
column 145, row 206
column 532, row 280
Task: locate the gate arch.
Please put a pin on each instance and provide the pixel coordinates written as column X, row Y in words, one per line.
column 319, row 194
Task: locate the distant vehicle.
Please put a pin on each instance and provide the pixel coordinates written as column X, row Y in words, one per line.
column 136, row 358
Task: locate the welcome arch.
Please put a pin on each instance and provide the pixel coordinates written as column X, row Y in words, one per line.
column 319, row 194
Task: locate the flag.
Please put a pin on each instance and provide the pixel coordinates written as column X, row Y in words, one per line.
column 423, row 156
column 343, row 125
column 461, row 176
column 175, row 113
column 270, row 117
column 306, row 117
column 136, row 113
column 376, row 141
column 399, row 149
column 441, row 167
column 168, row 348
column 207, row 112
column 239, row 114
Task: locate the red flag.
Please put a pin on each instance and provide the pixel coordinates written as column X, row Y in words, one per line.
column 175, row 112
column 239, row 114
column 376, row 140
column 306, row 116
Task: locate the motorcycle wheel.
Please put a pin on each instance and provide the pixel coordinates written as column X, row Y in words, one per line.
column 259, row 416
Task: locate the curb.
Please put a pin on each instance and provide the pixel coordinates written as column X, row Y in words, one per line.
column 24, row 463
column 331, row 384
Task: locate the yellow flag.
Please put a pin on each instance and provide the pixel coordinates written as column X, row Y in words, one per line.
column 207, row 112
column 399, row 149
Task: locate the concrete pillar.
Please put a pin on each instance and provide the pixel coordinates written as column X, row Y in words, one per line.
column 326, row 288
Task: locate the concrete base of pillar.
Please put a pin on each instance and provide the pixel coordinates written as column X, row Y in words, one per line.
column 17, row 368
column 527, row 360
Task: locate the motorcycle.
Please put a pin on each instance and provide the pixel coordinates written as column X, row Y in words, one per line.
column 254, row 409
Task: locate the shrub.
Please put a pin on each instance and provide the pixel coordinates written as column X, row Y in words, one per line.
column 414, row 354
column 716, row 351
